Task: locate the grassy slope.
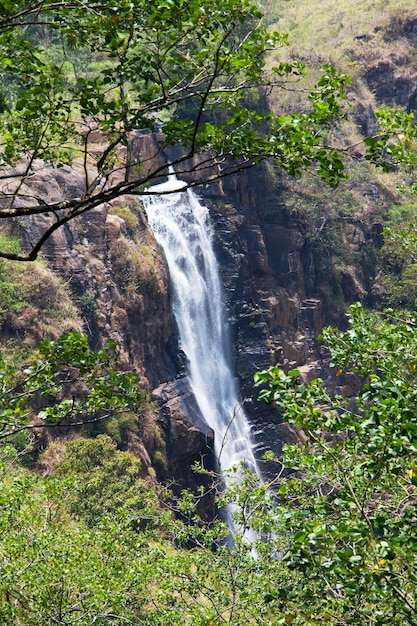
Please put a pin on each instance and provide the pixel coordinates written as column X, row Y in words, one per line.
column 353, row 35
column 327, row 29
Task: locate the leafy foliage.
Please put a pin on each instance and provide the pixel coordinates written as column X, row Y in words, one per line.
column 68, row 385
column 79, row 80
column 330, row 540
column 110, row 572
column 398, row 277
column 56, row 570
column 353, row 512
column 106, row 482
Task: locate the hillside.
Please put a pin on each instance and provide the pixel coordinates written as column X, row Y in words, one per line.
column 294, row 253
column 376, row 44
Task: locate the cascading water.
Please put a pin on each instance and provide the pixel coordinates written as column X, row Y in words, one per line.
column 182, row 227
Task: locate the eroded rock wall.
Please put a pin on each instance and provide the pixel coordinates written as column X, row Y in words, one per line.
column 272, row 319
column 120, row 284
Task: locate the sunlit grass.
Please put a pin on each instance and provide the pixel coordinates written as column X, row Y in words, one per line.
column 324, row 29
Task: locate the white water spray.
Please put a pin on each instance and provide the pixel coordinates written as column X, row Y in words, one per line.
column 182, row 227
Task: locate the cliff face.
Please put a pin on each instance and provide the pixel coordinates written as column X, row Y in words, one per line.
column 272, row 319
column 119, row 287
column 119, row 283
column 103, row 274
column 113, row 267
column 271, row 256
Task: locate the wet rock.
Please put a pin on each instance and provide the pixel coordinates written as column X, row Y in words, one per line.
column 188, row 437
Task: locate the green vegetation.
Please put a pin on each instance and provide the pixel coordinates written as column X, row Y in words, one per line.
column 88, row 306
column 332, row 536
column 128, row 216
column 34, row 302
column 397, row 277
column 105, row 482
column 79, row 80
column 84, row 537
column 350, row 514
column 68, row 385
column 130, row 266
column 57, row 569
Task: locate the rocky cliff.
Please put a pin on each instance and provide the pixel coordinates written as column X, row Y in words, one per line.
column 116, row 277
column 119, row 286
column 292, row 256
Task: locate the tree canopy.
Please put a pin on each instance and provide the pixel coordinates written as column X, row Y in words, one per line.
column 80, row 80
column 350, row 513
column 330, row 540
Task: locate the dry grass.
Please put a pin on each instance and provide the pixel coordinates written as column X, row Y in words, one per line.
column 51, row 297
column 52, row 457
column 322, row 30
column 35, row 304
column 350, row 34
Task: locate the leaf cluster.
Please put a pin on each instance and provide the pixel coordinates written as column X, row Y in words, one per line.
column 190, row 69
column 68, row 385
column 329, row 540
column 397, row 259
column 56, row 567
column 354, row 504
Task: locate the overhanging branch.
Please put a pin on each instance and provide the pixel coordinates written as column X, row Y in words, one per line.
column 68, row 210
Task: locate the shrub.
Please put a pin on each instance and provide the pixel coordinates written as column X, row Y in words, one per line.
column 106, row 482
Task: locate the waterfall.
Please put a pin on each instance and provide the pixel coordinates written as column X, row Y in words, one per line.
column 181, row 225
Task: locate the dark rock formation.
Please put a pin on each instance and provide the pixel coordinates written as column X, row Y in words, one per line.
column 188, row 438
column 393, row 82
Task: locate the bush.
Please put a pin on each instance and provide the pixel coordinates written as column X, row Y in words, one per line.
column 105, row 482
column 128, row 216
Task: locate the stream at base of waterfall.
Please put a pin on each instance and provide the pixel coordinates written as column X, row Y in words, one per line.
column 182, row 226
